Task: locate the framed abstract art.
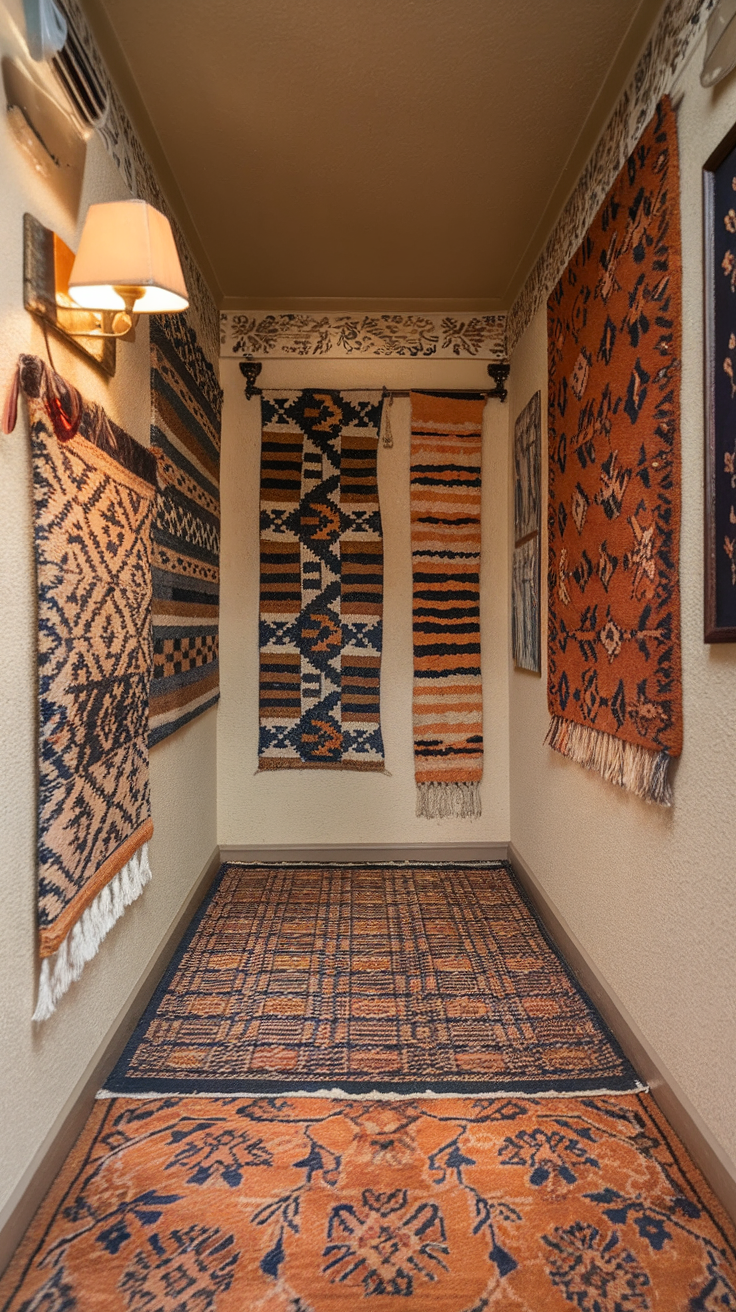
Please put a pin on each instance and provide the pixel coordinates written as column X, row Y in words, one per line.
column 719, row 199
column 525, row 573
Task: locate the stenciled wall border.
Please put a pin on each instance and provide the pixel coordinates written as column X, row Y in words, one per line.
column 127, row 152
column 679, row 27
column 344, row 336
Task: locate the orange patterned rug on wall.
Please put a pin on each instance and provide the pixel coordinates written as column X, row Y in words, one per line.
column 319, row 1205
column 614, row 328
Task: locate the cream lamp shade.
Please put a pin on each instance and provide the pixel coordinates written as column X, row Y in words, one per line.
column 127, row 259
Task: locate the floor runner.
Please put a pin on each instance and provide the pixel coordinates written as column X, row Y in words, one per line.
column 356, row 980
column 315, row 1205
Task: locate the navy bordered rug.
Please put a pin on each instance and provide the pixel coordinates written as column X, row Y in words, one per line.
column 360, row 980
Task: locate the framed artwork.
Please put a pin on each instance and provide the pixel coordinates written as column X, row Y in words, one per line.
column 525, row 618
column 525, row 575
column 719, row 196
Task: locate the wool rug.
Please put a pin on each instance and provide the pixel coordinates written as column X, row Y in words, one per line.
column 321, row 582
column 185, row 432
column 313, row 1205
column 361, row 979
column 93, row 495
column 614, row 328
column 445, row 547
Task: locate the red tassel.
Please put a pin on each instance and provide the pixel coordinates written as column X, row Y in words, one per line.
column 10, row 413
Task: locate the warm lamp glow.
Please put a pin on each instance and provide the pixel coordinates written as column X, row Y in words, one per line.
column 127, row 259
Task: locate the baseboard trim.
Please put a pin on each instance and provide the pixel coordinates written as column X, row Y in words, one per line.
column 48, row 1159
column 705, row 1150
column 357, row 852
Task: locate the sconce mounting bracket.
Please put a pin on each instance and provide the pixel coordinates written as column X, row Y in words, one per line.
column 47, row 263
column 499, row 373
column 250, row 370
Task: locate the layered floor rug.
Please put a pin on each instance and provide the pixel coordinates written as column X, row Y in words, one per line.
column 363, row 980
column 319, row 1205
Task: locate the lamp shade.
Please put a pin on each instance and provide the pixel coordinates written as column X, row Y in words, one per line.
column 720, row 46
column 124, row 244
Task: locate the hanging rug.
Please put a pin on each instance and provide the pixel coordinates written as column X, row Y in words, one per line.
column 445, row 549
column 614, row 330
column 321, row 582
column 94, row 489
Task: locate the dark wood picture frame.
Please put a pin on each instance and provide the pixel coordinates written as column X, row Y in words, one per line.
column 719, row 177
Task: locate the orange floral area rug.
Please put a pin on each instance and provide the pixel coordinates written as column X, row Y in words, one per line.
column 359, row 980
column 323, row 1205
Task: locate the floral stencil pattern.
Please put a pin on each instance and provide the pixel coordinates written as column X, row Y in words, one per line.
column 382, row 336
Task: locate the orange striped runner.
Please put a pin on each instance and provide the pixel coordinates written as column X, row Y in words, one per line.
column 445, row 542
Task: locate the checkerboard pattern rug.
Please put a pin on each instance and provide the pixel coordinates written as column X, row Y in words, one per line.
column 390, row 979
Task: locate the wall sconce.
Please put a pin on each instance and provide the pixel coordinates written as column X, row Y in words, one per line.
column 720, row 45
column 127, row 264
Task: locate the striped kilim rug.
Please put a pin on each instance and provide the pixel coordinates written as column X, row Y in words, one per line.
column 396, row 979
column 315, row 1205
column 94, row 490
column 445, row 545
column 321, row 582
column 614, row 327
column 185, row 430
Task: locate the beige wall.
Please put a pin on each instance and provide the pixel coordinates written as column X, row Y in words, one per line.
column 316, row 806
column 649, row 892
column 41, row 1065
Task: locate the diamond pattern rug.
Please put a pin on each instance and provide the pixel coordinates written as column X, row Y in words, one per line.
column 321, row 582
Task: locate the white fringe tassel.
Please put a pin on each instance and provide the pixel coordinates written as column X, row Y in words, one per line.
column 627, row 765
column 443, row 801
column 61, row 970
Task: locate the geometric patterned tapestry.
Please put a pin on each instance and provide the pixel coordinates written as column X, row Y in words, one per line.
column 321, row 581
column 185, row 432
column 93, row 492
column 614, row 327
column 446, row 447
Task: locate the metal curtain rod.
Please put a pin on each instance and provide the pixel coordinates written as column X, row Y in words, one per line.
column 250, row 370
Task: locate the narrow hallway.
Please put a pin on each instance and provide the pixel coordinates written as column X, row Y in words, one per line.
column 368, row 702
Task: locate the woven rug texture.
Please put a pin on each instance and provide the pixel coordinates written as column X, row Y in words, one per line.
column 185, row 431
column 401, row 980
column 314, row 1205
column 93, row 495
column 614, row 667
column 445, row 547
column 321, row 582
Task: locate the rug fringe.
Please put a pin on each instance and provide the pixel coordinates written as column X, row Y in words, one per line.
column 376, row 1095
column 59, row 971
column 627, row 765
column 437, row 801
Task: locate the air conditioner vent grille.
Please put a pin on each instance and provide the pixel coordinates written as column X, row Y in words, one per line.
column 81, row 83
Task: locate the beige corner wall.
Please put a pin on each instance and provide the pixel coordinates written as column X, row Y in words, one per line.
column 41, row 1065
column 325, row 806
column 649, row 892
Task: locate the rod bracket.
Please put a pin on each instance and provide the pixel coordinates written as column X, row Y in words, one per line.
column 499, row 373
column 250, row 370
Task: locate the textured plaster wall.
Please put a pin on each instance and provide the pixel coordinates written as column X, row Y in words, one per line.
column 324, row 806
column 42, row 1064
column 650, row 892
